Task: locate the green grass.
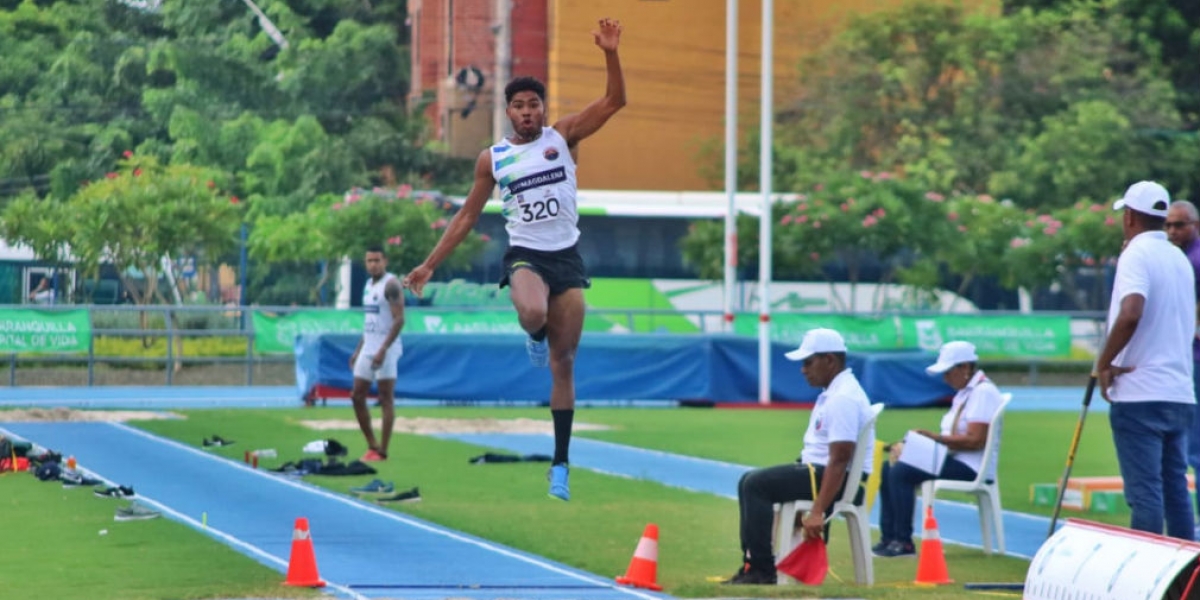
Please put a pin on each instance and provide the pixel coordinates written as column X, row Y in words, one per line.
column 598, row 530
column 53, row 548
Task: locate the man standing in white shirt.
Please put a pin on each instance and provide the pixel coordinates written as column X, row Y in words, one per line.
column 378, row 351
column 1145, row 368
column 840, row 412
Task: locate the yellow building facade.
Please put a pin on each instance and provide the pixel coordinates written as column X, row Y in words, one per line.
column 673, row 54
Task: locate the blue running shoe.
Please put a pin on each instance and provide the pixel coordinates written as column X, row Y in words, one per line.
column 376, row 486
column 559, row 488
column 539, row 352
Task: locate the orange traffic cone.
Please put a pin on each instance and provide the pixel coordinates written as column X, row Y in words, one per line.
column 643, row 568
column 931, row 565
column 302, row 565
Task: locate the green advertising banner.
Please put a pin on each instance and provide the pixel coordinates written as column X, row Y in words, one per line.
column 1004, row 336
column 861, row 333
column 275, row 333
column 31, row 330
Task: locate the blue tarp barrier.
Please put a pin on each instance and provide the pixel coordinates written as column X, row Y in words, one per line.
column 494, row 367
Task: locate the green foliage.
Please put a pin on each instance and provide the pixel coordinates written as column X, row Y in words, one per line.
column 408, row 224
column 145, row 560
column 1022, row 128
column 1044, row 108
column 205, row 85
column 131, row 219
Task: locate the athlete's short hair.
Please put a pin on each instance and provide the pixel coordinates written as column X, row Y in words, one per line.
column 524, row 84
column 376, row 248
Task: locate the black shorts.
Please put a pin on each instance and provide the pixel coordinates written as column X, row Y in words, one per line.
column 560, row 269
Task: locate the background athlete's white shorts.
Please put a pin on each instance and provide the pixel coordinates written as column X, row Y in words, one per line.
column 362, row 366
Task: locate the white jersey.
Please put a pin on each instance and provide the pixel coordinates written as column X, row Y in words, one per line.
column 378, row 321
column 537, row 185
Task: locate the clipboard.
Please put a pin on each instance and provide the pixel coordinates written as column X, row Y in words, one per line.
column 923, row 453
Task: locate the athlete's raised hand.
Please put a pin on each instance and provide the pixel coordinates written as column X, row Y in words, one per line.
column 608, row 34
column 417, row 278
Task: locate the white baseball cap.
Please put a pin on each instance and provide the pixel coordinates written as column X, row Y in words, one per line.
column 1145, row 197
column 951, row 355
column 817, row 341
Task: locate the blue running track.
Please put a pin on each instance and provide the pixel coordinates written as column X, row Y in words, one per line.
column 368, row 552
column 363, row 551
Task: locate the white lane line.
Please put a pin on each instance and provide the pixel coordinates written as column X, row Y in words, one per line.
column 398, row 517
column 245, row 546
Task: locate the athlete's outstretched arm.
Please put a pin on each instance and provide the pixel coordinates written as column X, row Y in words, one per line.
column 579, row 126
column 460, row 225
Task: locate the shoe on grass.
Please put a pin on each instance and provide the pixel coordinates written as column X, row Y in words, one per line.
column 748, row 575
column 376, row 486
column 896, row 549
column 136, row 512
column 119, row 491
column 413, row 495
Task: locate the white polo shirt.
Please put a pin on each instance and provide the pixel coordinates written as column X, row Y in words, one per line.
column 975, row 403
column 841, row 410
column 1161, row 348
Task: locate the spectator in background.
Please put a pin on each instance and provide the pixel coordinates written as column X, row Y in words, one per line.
column 44, row 292
column 1181, row 227
column 1145, row 366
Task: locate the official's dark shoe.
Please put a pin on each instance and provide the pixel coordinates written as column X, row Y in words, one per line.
column 896, row 549
column 880, row 547
column 748, row 575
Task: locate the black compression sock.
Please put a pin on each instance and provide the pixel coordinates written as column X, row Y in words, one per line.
column 562, row 434
column 539, row 335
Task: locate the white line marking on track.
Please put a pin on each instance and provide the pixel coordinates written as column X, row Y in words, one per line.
column 217, row 533
column 392, row 515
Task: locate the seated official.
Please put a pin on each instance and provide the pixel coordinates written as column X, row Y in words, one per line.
column 819, row 475
column 964, row 432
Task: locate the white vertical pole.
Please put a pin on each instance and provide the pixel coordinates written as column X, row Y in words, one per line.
column 731, row 81
column 501, row 71
column 764, row 224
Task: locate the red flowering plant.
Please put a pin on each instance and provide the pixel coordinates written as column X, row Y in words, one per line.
column 859, row 219
column 1054, row 247
column 975, row 235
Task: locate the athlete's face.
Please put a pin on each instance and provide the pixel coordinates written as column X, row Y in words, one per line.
column 376, row 264
column 527, row 113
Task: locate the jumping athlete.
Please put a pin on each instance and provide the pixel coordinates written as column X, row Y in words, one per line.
column 535, row 167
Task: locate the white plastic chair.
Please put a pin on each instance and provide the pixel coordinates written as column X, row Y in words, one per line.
column 985, row 487
column 856, row 517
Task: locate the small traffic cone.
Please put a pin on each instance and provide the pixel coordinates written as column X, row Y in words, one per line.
column 931, row 564
column 302, row 565
column 643, row 568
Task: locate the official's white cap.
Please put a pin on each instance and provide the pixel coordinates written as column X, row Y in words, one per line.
column 1146, row 197
column 817, row 341
column 951, row 355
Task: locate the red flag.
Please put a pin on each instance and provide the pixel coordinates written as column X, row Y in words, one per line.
column 808, row 563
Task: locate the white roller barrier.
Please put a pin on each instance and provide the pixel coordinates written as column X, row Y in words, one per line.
column 1094, row 561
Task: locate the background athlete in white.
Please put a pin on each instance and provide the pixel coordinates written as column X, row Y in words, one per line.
column 543, row 268
column 378, row 351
